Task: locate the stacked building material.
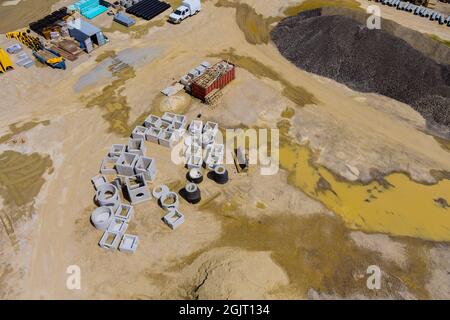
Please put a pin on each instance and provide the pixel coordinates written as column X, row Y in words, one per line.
column 48, row 22
column 123, row 19
column 89, row 8
column 148, row 9
column 24, row 60
column 213, row 79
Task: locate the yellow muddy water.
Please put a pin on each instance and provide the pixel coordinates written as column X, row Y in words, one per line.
column 397, row 206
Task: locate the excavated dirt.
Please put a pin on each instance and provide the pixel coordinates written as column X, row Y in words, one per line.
column 342, row 48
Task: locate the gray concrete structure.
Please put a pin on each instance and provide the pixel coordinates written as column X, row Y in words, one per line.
column 118, row 226
column 160, row 190
column 125, row 212
column 126, row 163
column 110, row 240
column 169, row 201
column 137, row 189
column 152, row 121
column 116, row 150
column 166, row 138
column 101, row 217
column 139, row 133
column 98, row 181
column 196, row 127
column 194, row 162
column 136, row 146
column 152, row 134
column 107, row 195
column 129, row 243
column 146, row 166
column 174, row 219
column 108, row 166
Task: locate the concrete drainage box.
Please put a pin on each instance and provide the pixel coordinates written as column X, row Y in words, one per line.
column 173, row 219
column 110, row 240
column 136, row 146
column 137, row 189
column 126, row 163
column 129, row 243
column 125, row 212
column 146, row 166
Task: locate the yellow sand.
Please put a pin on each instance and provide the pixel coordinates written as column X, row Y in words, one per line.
column 406, row 208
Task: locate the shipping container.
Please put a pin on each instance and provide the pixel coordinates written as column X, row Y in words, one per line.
column 215, row 77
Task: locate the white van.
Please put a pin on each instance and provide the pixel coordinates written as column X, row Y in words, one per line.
column 188, row 8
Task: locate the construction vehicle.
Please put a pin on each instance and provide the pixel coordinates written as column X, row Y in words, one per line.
column 5, row 62
column 188, row 8
column 50, row 58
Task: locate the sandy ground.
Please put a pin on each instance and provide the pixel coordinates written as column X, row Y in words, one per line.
column 202, row 259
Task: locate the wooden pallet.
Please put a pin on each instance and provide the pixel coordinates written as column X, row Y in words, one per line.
column 213, row 97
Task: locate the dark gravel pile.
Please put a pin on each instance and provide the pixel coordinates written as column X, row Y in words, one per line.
column 343, row 49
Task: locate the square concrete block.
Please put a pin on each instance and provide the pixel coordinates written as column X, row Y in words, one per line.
column 126, row 163
column 152, row 121
column 152, row 134
column 196, row 127
column 110, row 240
column 129, row 243
column 108, row 166
column 139, row 132
column 116, row 150
column 118, row 226
column 124, row 212
column 137, row 189
column 194, row 162
column 136, row 146
column 166, row 138
column 146, row 166
column 169, row 117
column 174, row 219
column 98, row 181
column 165, row 125
column 211, row 127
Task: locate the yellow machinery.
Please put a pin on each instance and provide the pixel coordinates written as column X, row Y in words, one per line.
column 5, row 61
column 26, row 38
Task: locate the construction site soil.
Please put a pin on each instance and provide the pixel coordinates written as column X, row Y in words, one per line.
column 336, row 43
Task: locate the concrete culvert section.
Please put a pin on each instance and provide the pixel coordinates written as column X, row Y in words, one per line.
column 160, row 190
column 108, row 195
column 101, row 217
column 342, row 48
column 169, row 201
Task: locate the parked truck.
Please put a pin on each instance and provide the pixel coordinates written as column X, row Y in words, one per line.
column 188, row 8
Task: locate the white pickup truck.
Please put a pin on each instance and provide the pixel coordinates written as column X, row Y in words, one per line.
column 188, row 8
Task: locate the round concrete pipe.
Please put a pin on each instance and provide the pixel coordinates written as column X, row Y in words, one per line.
column 195, row 175
column 101, row 217
column 108, row 195
column 160, row 190
column 169, row 201
column 192, row 193
column 220, row 175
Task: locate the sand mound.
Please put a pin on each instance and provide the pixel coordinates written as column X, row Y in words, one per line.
column 229, row 273
column 342, row 48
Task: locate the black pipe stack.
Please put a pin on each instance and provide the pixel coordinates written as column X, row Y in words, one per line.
column 195, row 176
